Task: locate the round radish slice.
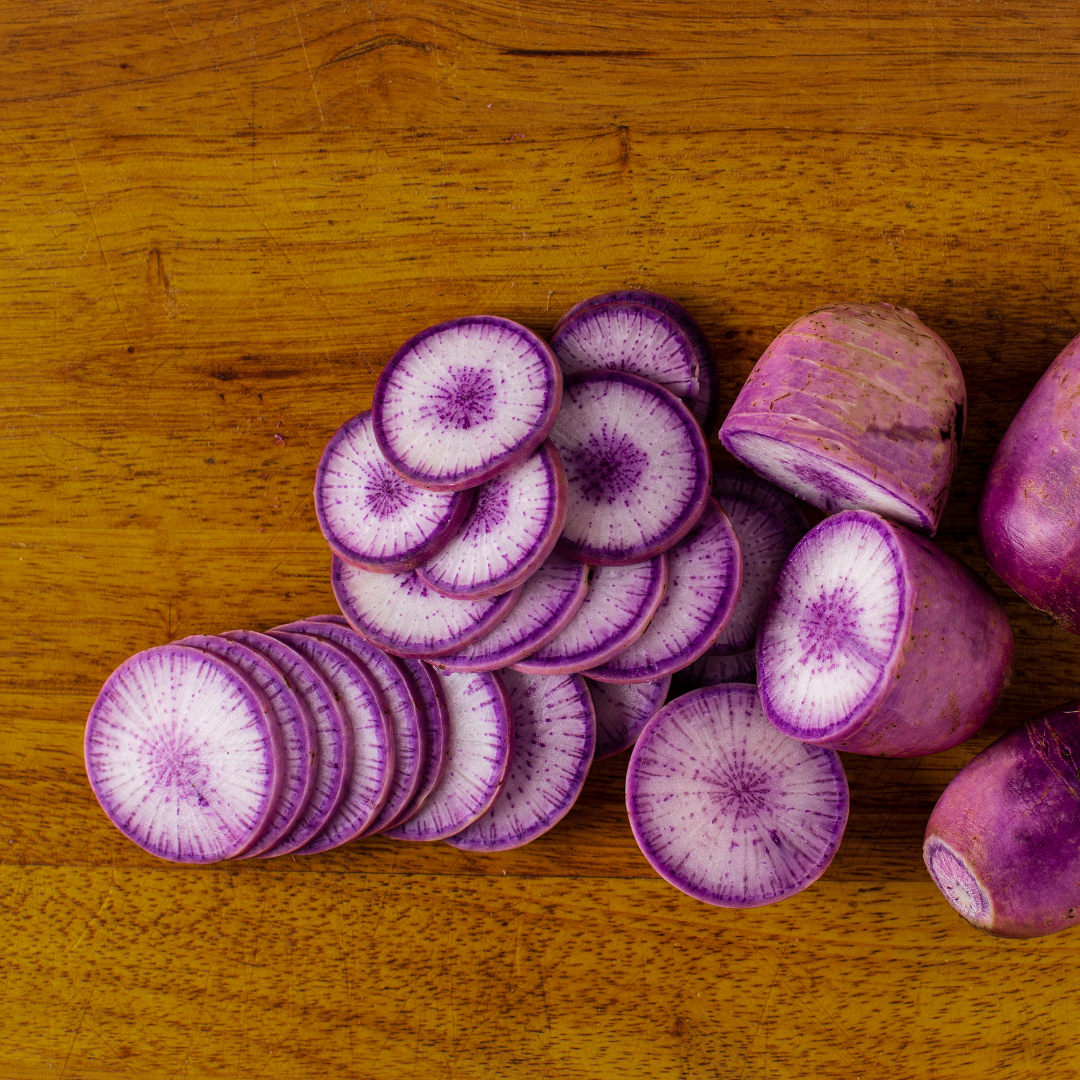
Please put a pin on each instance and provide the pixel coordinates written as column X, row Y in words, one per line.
column 554, row 738
column 726, row 808
column 757, row 489
column 183, row 755
column 627, row 337
column 400, row 614
column 461, row 402
column 480, row 747
column 510, row 529
column 711, row 670
column 549, row 600
column 623, row 710
column 295, row 724
column 370, row 515
column 704, row 574
column 614, row 614
column 637, row 466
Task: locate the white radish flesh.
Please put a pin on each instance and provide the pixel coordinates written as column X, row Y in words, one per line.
column 759, row 490
column 623, row 710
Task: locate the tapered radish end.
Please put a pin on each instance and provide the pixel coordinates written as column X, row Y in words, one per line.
column 958, row 883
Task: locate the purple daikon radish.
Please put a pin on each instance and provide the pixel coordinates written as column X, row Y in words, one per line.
column 764, row 492
column 548, row 601
column 510, row 529
column 480, row 747
column 627, row 337
column 711, row 670
column 554, row 738
column 183, row 753
column 362, row 702
column 623, row 710
column 726, row 808
column 394, row 683
column 705, row 570
column 463, row 401
column 855, row 406
column 637, row 466
column 876, row 641
column 615, row 612
column 402, row 616
column 296, row 726
column 333, row 750
column 371, row 516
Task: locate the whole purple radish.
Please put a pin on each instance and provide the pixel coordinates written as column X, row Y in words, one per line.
column 855, row 406
column 878, row 642
column 1003, row 842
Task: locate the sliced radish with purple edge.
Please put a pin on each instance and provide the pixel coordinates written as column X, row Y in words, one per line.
column 371, row 516
column 333, row 750
column 705, row 570
column 554, row 738
column 623, row 710
column 637, row 466
column 365, row 710
column 480, row 748
column 465, row 400
column 294, row 722
column 548, row 601
column 510, row 529
column 184, row 756
column 401, row 615
column 628, row 337
column 876, row 641
column 726, row 808
column 395, row 684
column 767, row 494
column 711, row 670
column 614, row 614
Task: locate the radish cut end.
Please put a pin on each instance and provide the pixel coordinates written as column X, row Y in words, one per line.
column 958, row 883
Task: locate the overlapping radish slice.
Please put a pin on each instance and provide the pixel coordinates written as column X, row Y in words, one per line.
column 371, row 516
column 637, row 466
column 400, row 614
column 711, row 670
column 481, row 742
column 623, row 710
column 746, row 484
column 184, row 756
column 726, row 808
column 435, row 717
column 614, row 614
column 510, row 529
column 548, row 601
column 462, row 401
column 554, row 738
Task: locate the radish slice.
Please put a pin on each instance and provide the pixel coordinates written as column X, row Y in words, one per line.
column 401, row 615
column 637, row 465
column 435, row 719
column 371, row 516
column 627, row 337
column 614, row 614
column 623, row 710
column 554, row 738
column 296, row 727
column 757, row 489
column 549, row 600
column 479, row 753
column 463, row 401
column 711, row 670
column 333, row 753
column 184, row 756
column 704, row 574
column 726, row 808
column 509, row 531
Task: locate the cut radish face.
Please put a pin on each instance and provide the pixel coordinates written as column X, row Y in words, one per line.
column 627, row 337
column 479, row 752
column 549, row 600
column 461, row 402
column 623, row 710
column 637, row 465
column 370, row 515
column 704, row 573
column 400, row 614
column 614, row 614
column 183, row 754
column 510, row 529
column 758, row 489
column 554, row 737
column 726, row 808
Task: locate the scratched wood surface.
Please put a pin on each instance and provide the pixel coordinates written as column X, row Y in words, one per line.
column 218, row 221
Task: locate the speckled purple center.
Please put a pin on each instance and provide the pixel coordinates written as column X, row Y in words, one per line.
column 464, row 399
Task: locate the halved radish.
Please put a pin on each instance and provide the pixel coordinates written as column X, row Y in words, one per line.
column 623, row 710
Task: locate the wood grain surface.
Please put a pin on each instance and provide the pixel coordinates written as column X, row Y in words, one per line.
column 218, row 221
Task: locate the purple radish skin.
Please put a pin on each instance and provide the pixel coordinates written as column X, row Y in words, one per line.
column 623, row 710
